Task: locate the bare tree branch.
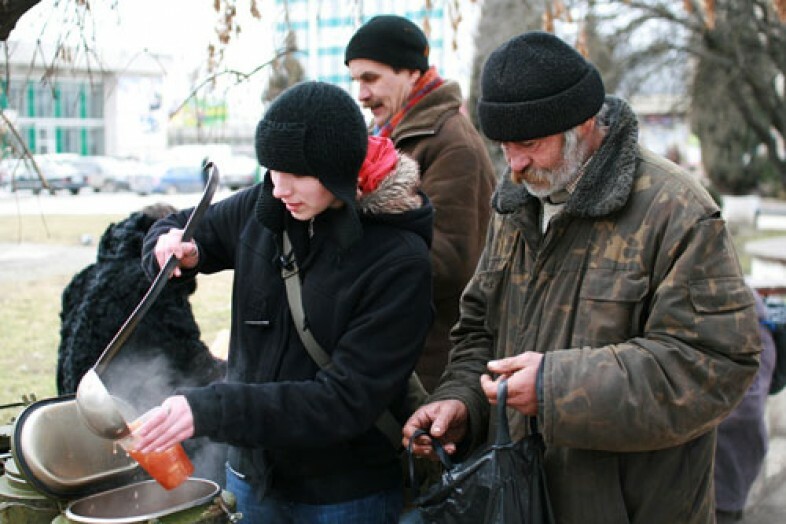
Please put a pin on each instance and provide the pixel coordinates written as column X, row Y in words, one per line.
column 239, row 78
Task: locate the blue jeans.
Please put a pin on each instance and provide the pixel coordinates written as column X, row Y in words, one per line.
column 379, row 508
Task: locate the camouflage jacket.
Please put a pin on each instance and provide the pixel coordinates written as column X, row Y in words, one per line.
column 635, row 295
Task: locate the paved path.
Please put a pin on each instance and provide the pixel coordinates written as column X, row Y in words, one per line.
column 23, row 262
column 771, row 508
column 767, row 499
column 30, row 261
column 89, row 203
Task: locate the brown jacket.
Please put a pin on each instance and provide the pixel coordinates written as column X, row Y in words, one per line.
column 458, row 177
column 635, row 296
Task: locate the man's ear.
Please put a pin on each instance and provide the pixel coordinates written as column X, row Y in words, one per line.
column 414, row 76
column 587, row 126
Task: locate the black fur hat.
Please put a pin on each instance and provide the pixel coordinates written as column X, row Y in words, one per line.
column 391, row 40
column 536, row 85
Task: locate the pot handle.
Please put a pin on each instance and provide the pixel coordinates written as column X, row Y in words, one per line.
column 233, row 517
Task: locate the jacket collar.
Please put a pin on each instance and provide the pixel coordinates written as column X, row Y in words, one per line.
column 427, row 116
column 397, row 193
column 608, row 180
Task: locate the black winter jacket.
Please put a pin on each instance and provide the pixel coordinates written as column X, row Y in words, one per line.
column 368, row 305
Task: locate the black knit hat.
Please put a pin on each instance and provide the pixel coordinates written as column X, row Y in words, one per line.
column 391, row 40
column 536, row 85
column 315, row 129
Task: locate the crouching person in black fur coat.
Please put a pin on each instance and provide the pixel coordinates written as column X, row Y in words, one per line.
column 164, row 352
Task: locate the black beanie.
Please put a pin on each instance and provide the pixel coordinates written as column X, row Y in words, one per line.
column 391, row 40
column 316, row 129
column 535, row 85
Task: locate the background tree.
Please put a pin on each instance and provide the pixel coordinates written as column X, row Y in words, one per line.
column 736, row 51
column 732, row 154
column 285, row 70
column 741, row 142
column 499, row 20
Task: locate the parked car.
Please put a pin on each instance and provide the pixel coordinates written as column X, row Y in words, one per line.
column 144, row 177
column 180, row 179
column 85, row 165
column 237, row 171
column 5, row 174
column 104, row 173
column 59, row 175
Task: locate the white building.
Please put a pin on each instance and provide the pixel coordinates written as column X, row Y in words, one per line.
column 323, row 28
column 111, row 104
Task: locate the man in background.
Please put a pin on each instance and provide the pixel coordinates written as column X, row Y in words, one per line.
column 421, row 112
column 743, row 439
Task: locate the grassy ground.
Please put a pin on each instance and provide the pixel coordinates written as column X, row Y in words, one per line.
column 29, row 329
column 53, row 229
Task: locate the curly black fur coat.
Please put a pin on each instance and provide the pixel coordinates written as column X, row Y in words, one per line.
column 166, row 343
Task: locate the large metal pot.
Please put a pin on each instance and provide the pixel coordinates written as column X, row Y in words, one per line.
column 142, row 501
column 60, row 471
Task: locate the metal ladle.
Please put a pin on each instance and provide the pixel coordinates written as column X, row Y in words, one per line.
column 97, row 408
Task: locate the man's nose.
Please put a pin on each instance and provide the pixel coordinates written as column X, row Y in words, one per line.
column 364, row 93
column 281, row 186
column 517, row 160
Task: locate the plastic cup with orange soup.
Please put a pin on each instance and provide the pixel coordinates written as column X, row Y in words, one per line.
column 170, row 467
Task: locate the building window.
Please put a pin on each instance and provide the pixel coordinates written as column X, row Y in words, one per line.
column 64, row 118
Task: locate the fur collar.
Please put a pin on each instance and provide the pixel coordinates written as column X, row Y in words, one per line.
column 608, row 180
column 397, row 193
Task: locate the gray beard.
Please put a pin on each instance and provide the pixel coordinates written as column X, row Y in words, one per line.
column 573, row 154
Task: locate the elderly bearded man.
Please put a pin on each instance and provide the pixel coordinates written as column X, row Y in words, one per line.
column 610, row 296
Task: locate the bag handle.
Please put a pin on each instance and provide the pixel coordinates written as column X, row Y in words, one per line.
column 503, row 427
column 503, row 437
column 443, row 456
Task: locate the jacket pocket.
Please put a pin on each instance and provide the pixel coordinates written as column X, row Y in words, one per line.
column 494, row 276
column 720, row 295
column 611, row 303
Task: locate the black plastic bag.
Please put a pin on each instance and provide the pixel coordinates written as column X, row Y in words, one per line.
column 776, row 323
column 504, row 483
column 779, row 373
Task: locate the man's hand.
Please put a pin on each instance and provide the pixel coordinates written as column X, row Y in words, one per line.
column 521, row 372
column 172, row 243
column 445, row 420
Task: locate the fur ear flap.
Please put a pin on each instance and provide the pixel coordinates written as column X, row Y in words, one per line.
column 270, row 210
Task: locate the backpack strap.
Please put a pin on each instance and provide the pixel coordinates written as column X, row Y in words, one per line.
column 386, row 423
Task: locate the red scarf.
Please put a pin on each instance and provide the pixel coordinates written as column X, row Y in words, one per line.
column 428, row 82
column 380, row 161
